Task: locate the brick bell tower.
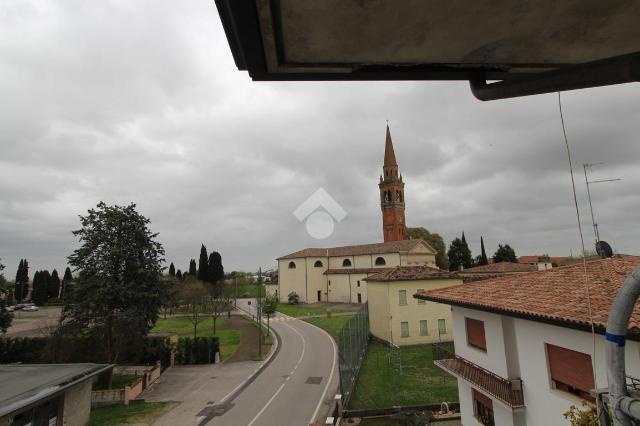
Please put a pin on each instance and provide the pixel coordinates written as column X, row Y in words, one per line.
column 391, row 195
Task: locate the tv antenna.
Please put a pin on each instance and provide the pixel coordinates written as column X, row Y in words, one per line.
column 589, row 166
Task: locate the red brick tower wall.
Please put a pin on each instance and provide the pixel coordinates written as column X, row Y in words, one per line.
column 391, row 195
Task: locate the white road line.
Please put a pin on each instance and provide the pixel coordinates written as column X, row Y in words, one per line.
column 304, row 348
column 266, row 405
column 329, row 380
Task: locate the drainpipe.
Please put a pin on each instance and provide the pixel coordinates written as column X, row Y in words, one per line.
column 625, row 408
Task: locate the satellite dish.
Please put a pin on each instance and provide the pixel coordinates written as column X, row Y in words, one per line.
column 604, row 249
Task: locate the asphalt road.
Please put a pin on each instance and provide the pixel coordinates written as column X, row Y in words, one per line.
column 296, row 387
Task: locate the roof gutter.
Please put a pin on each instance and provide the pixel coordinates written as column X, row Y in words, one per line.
column 626, row 409
column 604, row 72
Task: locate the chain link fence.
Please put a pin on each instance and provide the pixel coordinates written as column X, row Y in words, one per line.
column 352, row 347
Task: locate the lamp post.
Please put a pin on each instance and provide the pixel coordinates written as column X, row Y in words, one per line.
column 588, row 182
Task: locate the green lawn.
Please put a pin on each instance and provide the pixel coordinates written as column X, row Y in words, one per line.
column 331, row 325
column 304, row 310
column 419, row 382
column 229, row 339
column 248, row 290
column 138, row 413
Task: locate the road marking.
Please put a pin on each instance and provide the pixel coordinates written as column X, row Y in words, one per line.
column 304, row 348
column 329, row 379
column 266, row 405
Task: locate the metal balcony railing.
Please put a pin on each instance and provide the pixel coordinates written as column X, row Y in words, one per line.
column 509, row 391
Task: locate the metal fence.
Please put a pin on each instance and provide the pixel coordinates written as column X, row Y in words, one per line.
column 352, row 347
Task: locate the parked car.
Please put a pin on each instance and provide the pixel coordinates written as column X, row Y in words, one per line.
column 11, row 308
column 19, row 306
column 30, row 308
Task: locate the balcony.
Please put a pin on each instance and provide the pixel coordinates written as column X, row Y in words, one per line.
column 508, row 391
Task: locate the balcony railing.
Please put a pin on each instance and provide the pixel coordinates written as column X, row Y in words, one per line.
column 509, row 391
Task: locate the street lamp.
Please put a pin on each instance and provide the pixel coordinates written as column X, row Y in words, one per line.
column 588, row 182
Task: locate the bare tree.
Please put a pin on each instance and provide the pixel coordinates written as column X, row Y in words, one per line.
column 192, row 295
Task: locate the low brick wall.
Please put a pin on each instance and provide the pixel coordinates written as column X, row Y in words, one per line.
column 107, row 397
column 126, row 394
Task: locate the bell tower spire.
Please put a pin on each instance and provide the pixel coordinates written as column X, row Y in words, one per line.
column 391, row 195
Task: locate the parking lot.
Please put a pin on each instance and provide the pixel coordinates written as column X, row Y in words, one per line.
column 38, row 323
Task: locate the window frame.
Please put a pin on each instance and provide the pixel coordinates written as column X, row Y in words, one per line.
column 346, row 263
column 292, row 265
column 444, row 322
column 564, row 386
column 420, row 301
column 472, row 341
column 402, row 334
column 318, row 264
column 426, row 327
column 380, row 261
column 402, row 291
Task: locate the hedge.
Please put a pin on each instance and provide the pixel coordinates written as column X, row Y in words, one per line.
column 201, row 350
column 28, row 350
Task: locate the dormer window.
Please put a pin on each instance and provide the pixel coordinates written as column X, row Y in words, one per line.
column 346, row 263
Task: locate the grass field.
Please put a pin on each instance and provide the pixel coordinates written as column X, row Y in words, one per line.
column 331, row 325
column 138, row 414
column 417, row 382
column 229, row 339
column 304, row 310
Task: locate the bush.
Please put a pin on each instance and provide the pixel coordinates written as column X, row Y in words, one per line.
column 293, row 298
column 201, row 350
column 27, row 350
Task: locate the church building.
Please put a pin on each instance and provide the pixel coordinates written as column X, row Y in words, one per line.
column 337, row 274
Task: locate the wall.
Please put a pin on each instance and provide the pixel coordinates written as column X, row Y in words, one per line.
column 292, row 279
column 379, row 310
column 77, row 404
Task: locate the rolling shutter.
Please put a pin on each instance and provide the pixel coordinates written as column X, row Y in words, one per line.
column 570, row 367
column 475, row 333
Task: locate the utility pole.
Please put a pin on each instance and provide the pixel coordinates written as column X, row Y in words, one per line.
column 586, row 166
column 259, row 308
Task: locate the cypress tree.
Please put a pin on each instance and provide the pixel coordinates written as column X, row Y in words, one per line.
column 66, row 281
column 53, row 291
column 464, row 240
column 39, row 293
column 172, row 270
column 459, row 255
column 483, row 254
column 18, row 288
column 217, row 270
column 193, row 271
column 203, row 265
column 179, row 274
column 25, row 279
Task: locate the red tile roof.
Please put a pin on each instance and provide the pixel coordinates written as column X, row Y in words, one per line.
column 376, row 248
column 501, row 267
column 556, row 295
column 412, row 273
column 354, row 270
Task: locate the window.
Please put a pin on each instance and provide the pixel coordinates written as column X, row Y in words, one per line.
column 346, row 262
column 359, row 298
column 420, row 301
column 404, row 329
column 358, row 283
column 483, row 408
column 570, row 371
column 318, row 264
column 475, row 333
column 402, row 297
column 380, row 261
column 442, row 326
column 292, row 265
column 424, row 331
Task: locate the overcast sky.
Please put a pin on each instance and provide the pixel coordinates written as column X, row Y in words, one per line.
column 140, row 101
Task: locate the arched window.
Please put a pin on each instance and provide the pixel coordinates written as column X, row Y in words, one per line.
column 318, row 264
column 380, row 261
column 292, row 265
column 346, row 262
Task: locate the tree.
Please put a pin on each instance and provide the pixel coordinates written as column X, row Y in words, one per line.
column 66, row 280
column 435, row 241
column 464, row 240
column 459, row 255
column 172, row 270
column 193, row 271
column 220, row 301
column 505, row 254
column 269, row 307
column 53, row 291
column 39, row 289
column 5, row 316
column 179, row 274
column 217, row 270
column 192, row 296
column 293, row 298
column 203, row 265
column 22, row 281
column 483, row 254
column 118, row 292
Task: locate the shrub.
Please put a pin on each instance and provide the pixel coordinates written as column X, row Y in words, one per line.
column 293, row 298
column 201, row 350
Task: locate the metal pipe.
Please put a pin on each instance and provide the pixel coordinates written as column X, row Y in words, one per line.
column 625, row 408
column 604, row 72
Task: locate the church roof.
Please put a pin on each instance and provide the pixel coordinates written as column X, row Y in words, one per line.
column 377, row 248
column 389, row 155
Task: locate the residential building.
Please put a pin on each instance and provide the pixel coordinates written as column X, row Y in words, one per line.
column 396, row 317
column 524, row 350
column 47, row 394
column 337, row 274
